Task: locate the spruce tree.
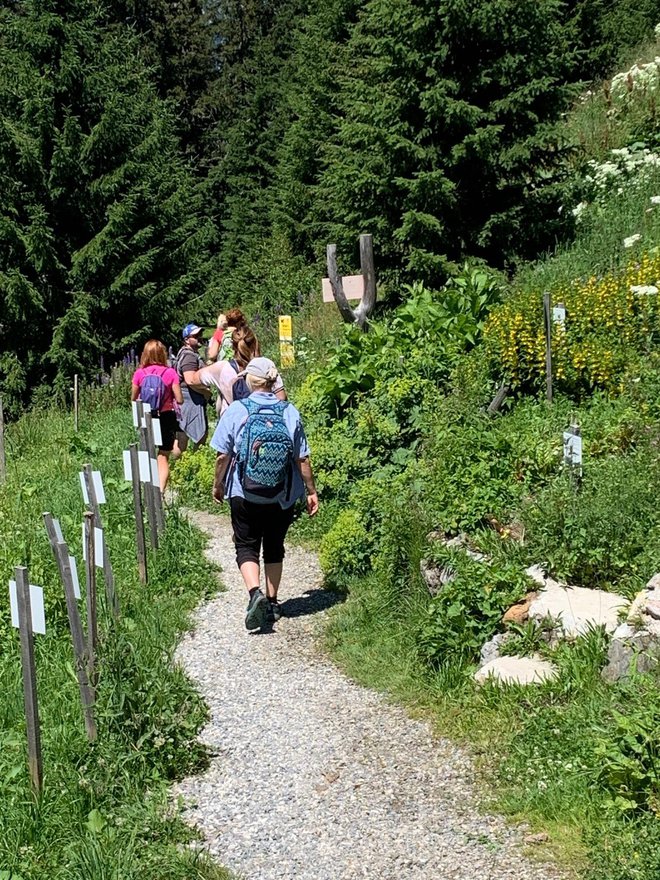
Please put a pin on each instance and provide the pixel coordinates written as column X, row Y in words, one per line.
column 445, row 142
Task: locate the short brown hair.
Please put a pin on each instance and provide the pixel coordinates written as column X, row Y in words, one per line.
column 235, row 318
column 154, row 352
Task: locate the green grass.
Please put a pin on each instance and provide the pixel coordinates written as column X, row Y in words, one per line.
column 104, row 812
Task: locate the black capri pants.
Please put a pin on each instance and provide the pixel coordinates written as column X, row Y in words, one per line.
column 259, row 525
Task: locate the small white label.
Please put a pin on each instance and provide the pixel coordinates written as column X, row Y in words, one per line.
column 57, row 528
column 128, row 471
column 36, row 607
column 83, row 487
column 145, row 467
column 98, row 548
column 135, row 414
column 146, row 407
column 74, row 576
column 572, row 448
column 158, row 436
column 154, row 472
column 559, row 314
column 98, row 487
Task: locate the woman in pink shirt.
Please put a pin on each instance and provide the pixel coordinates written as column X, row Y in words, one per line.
column 223, row 375
column 163, row 389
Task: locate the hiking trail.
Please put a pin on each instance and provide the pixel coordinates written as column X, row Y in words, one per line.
column 314, row 777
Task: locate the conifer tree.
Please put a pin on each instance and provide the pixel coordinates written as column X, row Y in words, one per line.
column 445, row 136
column 101, row 235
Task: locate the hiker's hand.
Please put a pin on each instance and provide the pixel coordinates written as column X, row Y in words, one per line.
column 218, row 494
column 312, row 504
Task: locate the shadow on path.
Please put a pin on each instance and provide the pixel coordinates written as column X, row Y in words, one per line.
column 311, row 602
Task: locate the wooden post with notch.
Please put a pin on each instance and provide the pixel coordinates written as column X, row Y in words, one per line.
column 153, row 453
column 61, row 553
column 90, row 596
column 359, row 315
column 108, row 573
column 148, row 486
column 139, row 518
column 547, row 314
column 29, row 678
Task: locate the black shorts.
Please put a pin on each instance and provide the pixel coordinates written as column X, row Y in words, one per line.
column 168, row 429
column 259, row 525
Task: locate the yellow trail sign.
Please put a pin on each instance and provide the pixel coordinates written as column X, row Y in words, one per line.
column 287, row 353
column 286, row 329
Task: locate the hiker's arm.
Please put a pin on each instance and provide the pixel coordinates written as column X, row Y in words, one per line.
column 221, row 463
column 191, row 378
column 135, row 392
column 177, row 392
column 310, row 486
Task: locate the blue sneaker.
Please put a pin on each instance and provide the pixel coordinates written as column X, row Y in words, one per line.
column 257, row 611
column 274, row 611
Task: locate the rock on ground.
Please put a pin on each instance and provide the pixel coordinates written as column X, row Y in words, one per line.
column 577, row 609
column 314, row 777
column 516, row 670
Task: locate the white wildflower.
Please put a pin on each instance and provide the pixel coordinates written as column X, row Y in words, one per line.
column 631, row 240
column 578, row 209
column 655, row 200
column 657, row 31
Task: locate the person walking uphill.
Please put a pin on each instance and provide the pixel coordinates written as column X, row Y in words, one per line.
column 263, row 468
column 157, row 384
column 193, row 422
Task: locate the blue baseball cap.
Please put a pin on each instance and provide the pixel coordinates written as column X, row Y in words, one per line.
column 191, row 330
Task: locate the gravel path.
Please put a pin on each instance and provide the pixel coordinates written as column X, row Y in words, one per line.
column 314, row 777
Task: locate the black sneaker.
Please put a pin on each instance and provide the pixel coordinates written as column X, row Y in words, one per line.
column 257, row 611
column 274, row 611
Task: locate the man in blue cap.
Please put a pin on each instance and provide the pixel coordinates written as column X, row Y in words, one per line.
column 193, row 423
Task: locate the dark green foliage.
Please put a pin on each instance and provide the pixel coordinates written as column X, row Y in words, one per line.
column 445, row 144
column 101, row 236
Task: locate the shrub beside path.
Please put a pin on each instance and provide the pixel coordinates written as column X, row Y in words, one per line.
column 313, row 776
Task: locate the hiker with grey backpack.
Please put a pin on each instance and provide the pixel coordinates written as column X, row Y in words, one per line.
column 262, row 468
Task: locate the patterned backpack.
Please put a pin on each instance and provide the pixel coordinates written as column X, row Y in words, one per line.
column 265, row 454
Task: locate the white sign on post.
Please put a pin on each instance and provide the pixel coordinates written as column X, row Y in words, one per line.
column 83, row 487
column 36, row 607
column 135, row 415
column 128, row 471
column 98, row 546
column 559, row 314
column 158, row 436
column 154, row 472
column 57, row 528
column 74, row 576
column 98, row 487
column 145, row 466
column 572, row 448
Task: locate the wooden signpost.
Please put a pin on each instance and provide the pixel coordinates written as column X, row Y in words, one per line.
column 149, row 498
column 25, row 627
column 81, row 658
column 90, row 596
column 132, row 473
column 155, row 478
column 94, row 502
column 366, row 291
column 547, row 313
column 75, row 402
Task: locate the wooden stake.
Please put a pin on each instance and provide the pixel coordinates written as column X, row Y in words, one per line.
column 139, row 518
column 148, row 493
column 87, row 696
column 75, row 402
column 90, row 593
column 3, row 460
column 547, row 310
column 108, row 574
column 153, row 453
column 29, row 678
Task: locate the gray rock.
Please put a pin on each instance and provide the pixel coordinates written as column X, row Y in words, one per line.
column 654, row 583
column 576, row 610
column 491, row 650
column 630, row 649
column 516, row 670
column 435, row 578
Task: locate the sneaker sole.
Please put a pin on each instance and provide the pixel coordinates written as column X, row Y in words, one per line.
column 256, row 616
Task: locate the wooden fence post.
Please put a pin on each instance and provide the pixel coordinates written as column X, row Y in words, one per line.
column 61, row 552
column 139, row 519
column 148, row 486
column 90, row 595
column 547, row 312
column 157, row 494
column 108, row 574
column 29, row 678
